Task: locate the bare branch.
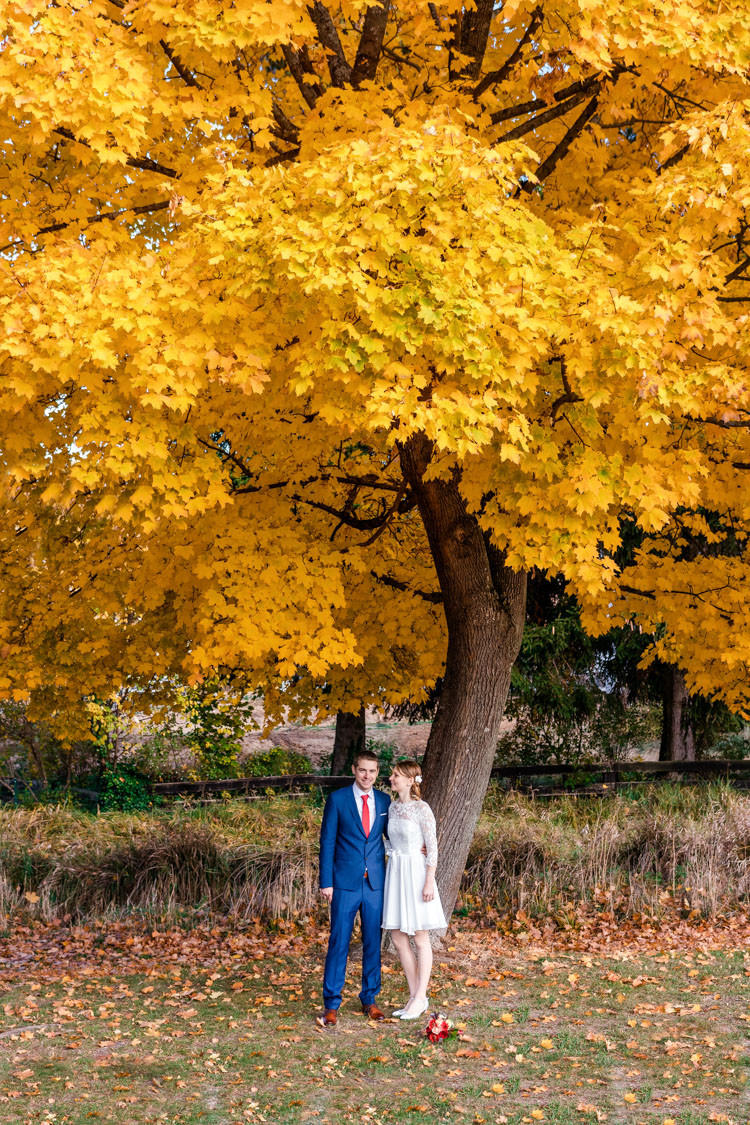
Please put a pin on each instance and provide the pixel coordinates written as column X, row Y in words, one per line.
column 502, row 73
column 371, row 42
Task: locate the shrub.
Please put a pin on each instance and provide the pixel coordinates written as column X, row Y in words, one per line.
column 278, row 762
column 217, row 724
column 124, row 789
column 387, row 752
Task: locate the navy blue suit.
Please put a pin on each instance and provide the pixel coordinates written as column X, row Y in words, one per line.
column 354, row 865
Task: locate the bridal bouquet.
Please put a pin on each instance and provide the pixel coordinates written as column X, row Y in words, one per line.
column 439, row 1028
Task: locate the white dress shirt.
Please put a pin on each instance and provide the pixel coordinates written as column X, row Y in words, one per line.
column 358, row 795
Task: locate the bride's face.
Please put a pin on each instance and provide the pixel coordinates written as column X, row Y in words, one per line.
column 399, row 782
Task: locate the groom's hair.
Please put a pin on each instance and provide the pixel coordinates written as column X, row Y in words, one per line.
column 364, row 755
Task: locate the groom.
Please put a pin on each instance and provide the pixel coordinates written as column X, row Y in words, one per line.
column 352, row 873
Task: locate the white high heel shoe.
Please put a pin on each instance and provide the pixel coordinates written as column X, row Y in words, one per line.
column 415, row 1015
column 399, row 1011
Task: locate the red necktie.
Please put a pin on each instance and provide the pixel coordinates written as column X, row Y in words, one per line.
column 365, row 816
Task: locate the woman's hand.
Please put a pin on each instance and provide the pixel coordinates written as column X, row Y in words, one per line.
column 428, row 891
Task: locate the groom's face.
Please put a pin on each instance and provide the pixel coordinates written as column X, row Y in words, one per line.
column 365, row 774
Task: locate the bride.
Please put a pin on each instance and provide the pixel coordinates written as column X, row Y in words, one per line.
column 411, row 902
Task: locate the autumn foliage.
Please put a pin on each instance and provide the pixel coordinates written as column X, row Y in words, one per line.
column 317, row 317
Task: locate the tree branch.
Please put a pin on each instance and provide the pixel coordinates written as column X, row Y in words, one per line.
column 738, row 271
column 144, row 164
column 328, row 36
column 145, row 209
column 186, row 75
column 499, row 75
column 435, row 598
column 568, row 396
column 641, row 593
column 542, row 119
column 547, row 167
column 475, row 31
column 299, row 65
column 370, row 43
column 517, row 110
column 674, row 159
column 286, row 130
column 725, row 423
column 283, row 157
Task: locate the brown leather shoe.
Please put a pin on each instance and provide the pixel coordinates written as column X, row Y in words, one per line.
column 328, row 1019
column 373, row 1011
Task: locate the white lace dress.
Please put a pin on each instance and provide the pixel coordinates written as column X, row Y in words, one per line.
column 409, row 826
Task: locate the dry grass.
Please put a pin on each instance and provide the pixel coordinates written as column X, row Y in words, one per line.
column 627, row 854
column 690, row 845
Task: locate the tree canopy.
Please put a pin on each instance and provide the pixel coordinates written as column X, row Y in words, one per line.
column 316, row 315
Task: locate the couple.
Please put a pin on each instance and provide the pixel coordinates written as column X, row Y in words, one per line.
column 354, row 880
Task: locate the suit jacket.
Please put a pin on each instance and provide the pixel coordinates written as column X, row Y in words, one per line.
column 345, row 852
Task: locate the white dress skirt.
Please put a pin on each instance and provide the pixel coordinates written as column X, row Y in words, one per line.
column 410, row 825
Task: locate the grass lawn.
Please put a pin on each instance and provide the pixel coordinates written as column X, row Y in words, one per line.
column 215, row 1026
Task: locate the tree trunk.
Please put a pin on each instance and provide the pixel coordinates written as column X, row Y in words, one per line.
column 484, row 603
column 677, row 737
column 348, row 741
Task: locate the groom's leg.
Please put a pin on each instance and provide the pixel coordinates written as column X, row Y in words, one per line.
column 344, row 909
column 372, row 916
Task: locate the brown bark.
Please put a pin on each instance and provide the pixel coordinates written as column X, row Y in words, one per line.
column 371, row 42
column 677, row 737
column 484, row 603
column 348, row 740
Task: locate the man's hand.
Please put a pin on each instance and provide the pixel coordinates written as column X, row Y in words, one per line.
column 327, row 893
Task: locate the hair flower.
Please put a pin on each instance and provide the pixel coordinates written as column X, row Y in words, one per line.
column 418, row 779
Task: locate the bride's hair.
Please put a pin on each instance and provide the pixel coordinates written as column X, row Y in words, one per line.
column 409, row 768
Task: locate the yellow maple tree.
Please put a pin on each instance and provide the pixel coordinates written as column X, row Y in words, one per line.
column 324, row 323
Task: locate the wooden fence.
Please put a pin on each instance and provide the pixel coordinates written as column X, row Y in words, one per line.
column 542, row 780
column 590, row 778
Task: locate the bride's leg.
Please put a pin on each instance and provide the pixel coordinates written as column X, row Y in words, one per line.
column 407, row 959
column 424, row 955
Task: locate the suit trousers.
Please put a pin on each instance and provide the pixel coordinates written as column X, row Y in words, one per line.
column 346, row 904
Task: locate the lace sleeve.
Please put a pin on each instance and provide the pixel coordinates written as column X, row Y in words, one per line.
column 427, row 824
column 387, row 841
